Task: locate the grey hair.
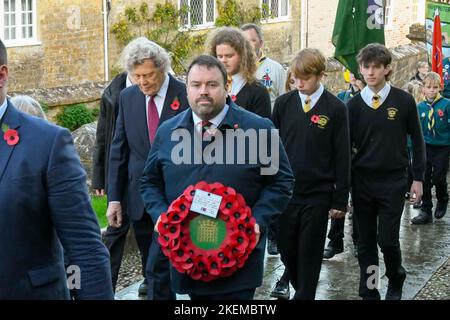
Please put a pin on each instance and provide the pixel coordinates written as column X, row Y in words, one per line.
column 28, row 105
column 141, row 49
column 250, row 26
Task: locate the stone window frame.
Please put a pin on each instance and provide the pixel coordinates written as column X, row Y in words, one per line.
column 206, row 14
column 19, row 40
column 280, row 16
column 418, row 11
column 389, row 13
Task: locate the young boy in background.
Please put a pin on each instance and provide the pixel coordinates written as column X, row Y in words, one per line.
column 434, row 113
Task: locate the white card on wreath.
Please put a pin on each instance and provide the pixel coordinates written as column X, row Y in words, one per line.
column 206, row 203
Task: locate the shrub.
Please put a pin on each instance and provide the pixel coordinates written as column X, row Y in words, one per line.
column 74, row 116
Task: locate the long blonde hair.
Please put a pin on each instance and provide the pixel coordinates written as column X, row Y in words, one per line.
column 415, row 88
column 235, row 39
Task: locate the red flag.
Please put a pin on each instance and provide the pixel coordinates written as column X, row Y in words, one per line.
column 436, row 53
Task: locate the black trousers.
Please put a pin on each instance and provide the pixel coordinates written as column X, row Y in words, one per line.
column 301, row 239
column 435, row 174
column 273, row 228
column 115, row 239
column 378, row 200
column 158, row 273
column 336, row 233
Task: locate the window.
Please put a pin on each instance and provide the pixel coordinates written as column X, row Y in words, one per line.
column 418, row 11
column 275, row 9
column 388, row 14
column 200, row 13
column 18, row 22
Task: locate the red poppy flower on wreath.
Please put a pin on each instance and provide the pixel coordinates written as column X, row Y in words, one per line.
column 206, row 248
column 175, row 104
column 315, row 118
column 11, row 136
column 440, row 113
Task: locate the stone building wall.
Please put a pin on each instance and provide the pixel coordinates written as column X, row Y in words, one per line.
column 71, row 49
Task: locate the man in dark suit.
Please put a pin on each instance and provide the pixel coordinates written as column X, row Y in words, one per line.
column 109, row 107
column 142, row 107
column 45, row 208
column 164, row 180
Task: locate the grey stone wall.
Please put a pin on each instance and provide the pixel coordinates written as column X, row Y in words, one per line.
column 404, row 64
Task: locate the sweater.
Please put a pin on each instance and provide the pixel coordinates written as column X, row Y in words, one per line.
column 378, row 136
column 317, row 145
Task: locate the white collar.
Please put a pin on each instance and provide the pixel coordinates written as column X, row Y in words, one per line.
column 3, row 108
column 163, row 90
column 128, row 81
column 314, row 97
column 367, row 94
column 237, row 84
column 216, row 121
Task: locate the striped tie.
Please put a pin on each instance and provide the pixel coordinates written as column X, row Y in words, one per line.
column 307, row 105
column 431, row 119
column 229, row 83
column 376, row 101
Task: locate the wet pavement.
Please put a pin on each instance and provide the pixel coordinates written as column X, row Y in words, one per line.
column 425, row 249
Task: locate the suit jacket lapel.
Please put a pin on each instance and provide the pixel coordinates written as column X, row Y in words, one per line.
column 11, row 119
column 172, row 92
column 140, row 116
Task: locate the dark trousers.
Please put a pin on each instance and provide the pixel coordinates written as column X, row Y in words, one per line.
column 115, row 239
column 247, row 294
column 435, row 174
column 336, row 233
column 273, row 227
column 378, row 201
column 158, row 273
column 301, row 238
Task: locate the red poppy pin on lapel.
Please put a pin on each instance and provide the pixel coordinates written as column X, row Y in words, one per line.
column 315, row 118
column 11, row 136
column 175, row 104
column 440, row 113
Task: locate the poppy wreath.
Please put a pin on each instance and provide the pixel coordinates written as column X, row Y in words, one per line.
column 205, row 248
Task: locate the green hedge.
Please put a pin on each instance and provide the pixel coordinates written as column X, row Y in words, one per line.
column 74, row 116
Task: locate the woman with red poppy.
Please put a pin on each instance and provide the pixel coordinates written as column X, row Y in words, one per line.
column 434, row 113
column 313, row 126
column 230, row 46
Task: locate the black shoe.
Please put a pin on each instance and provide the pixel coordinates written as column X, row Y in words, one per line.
column 143, row 288
column 281, row 290
column 395, row 287
column 272, row 248
column 441, row 209
column 417, row 205
column 330, row 252
column 407, row 195
column 422, row 218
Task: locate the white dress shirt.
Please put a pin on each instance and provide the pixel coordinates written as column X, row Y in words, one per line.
column 159, row 98
column 237, row 84
column 367, row 94
column 3, row 108
column 314, row 97
column 215, row 122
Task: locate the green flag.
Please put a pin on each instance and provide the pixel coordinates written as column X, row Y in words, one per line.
column 358, row 23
